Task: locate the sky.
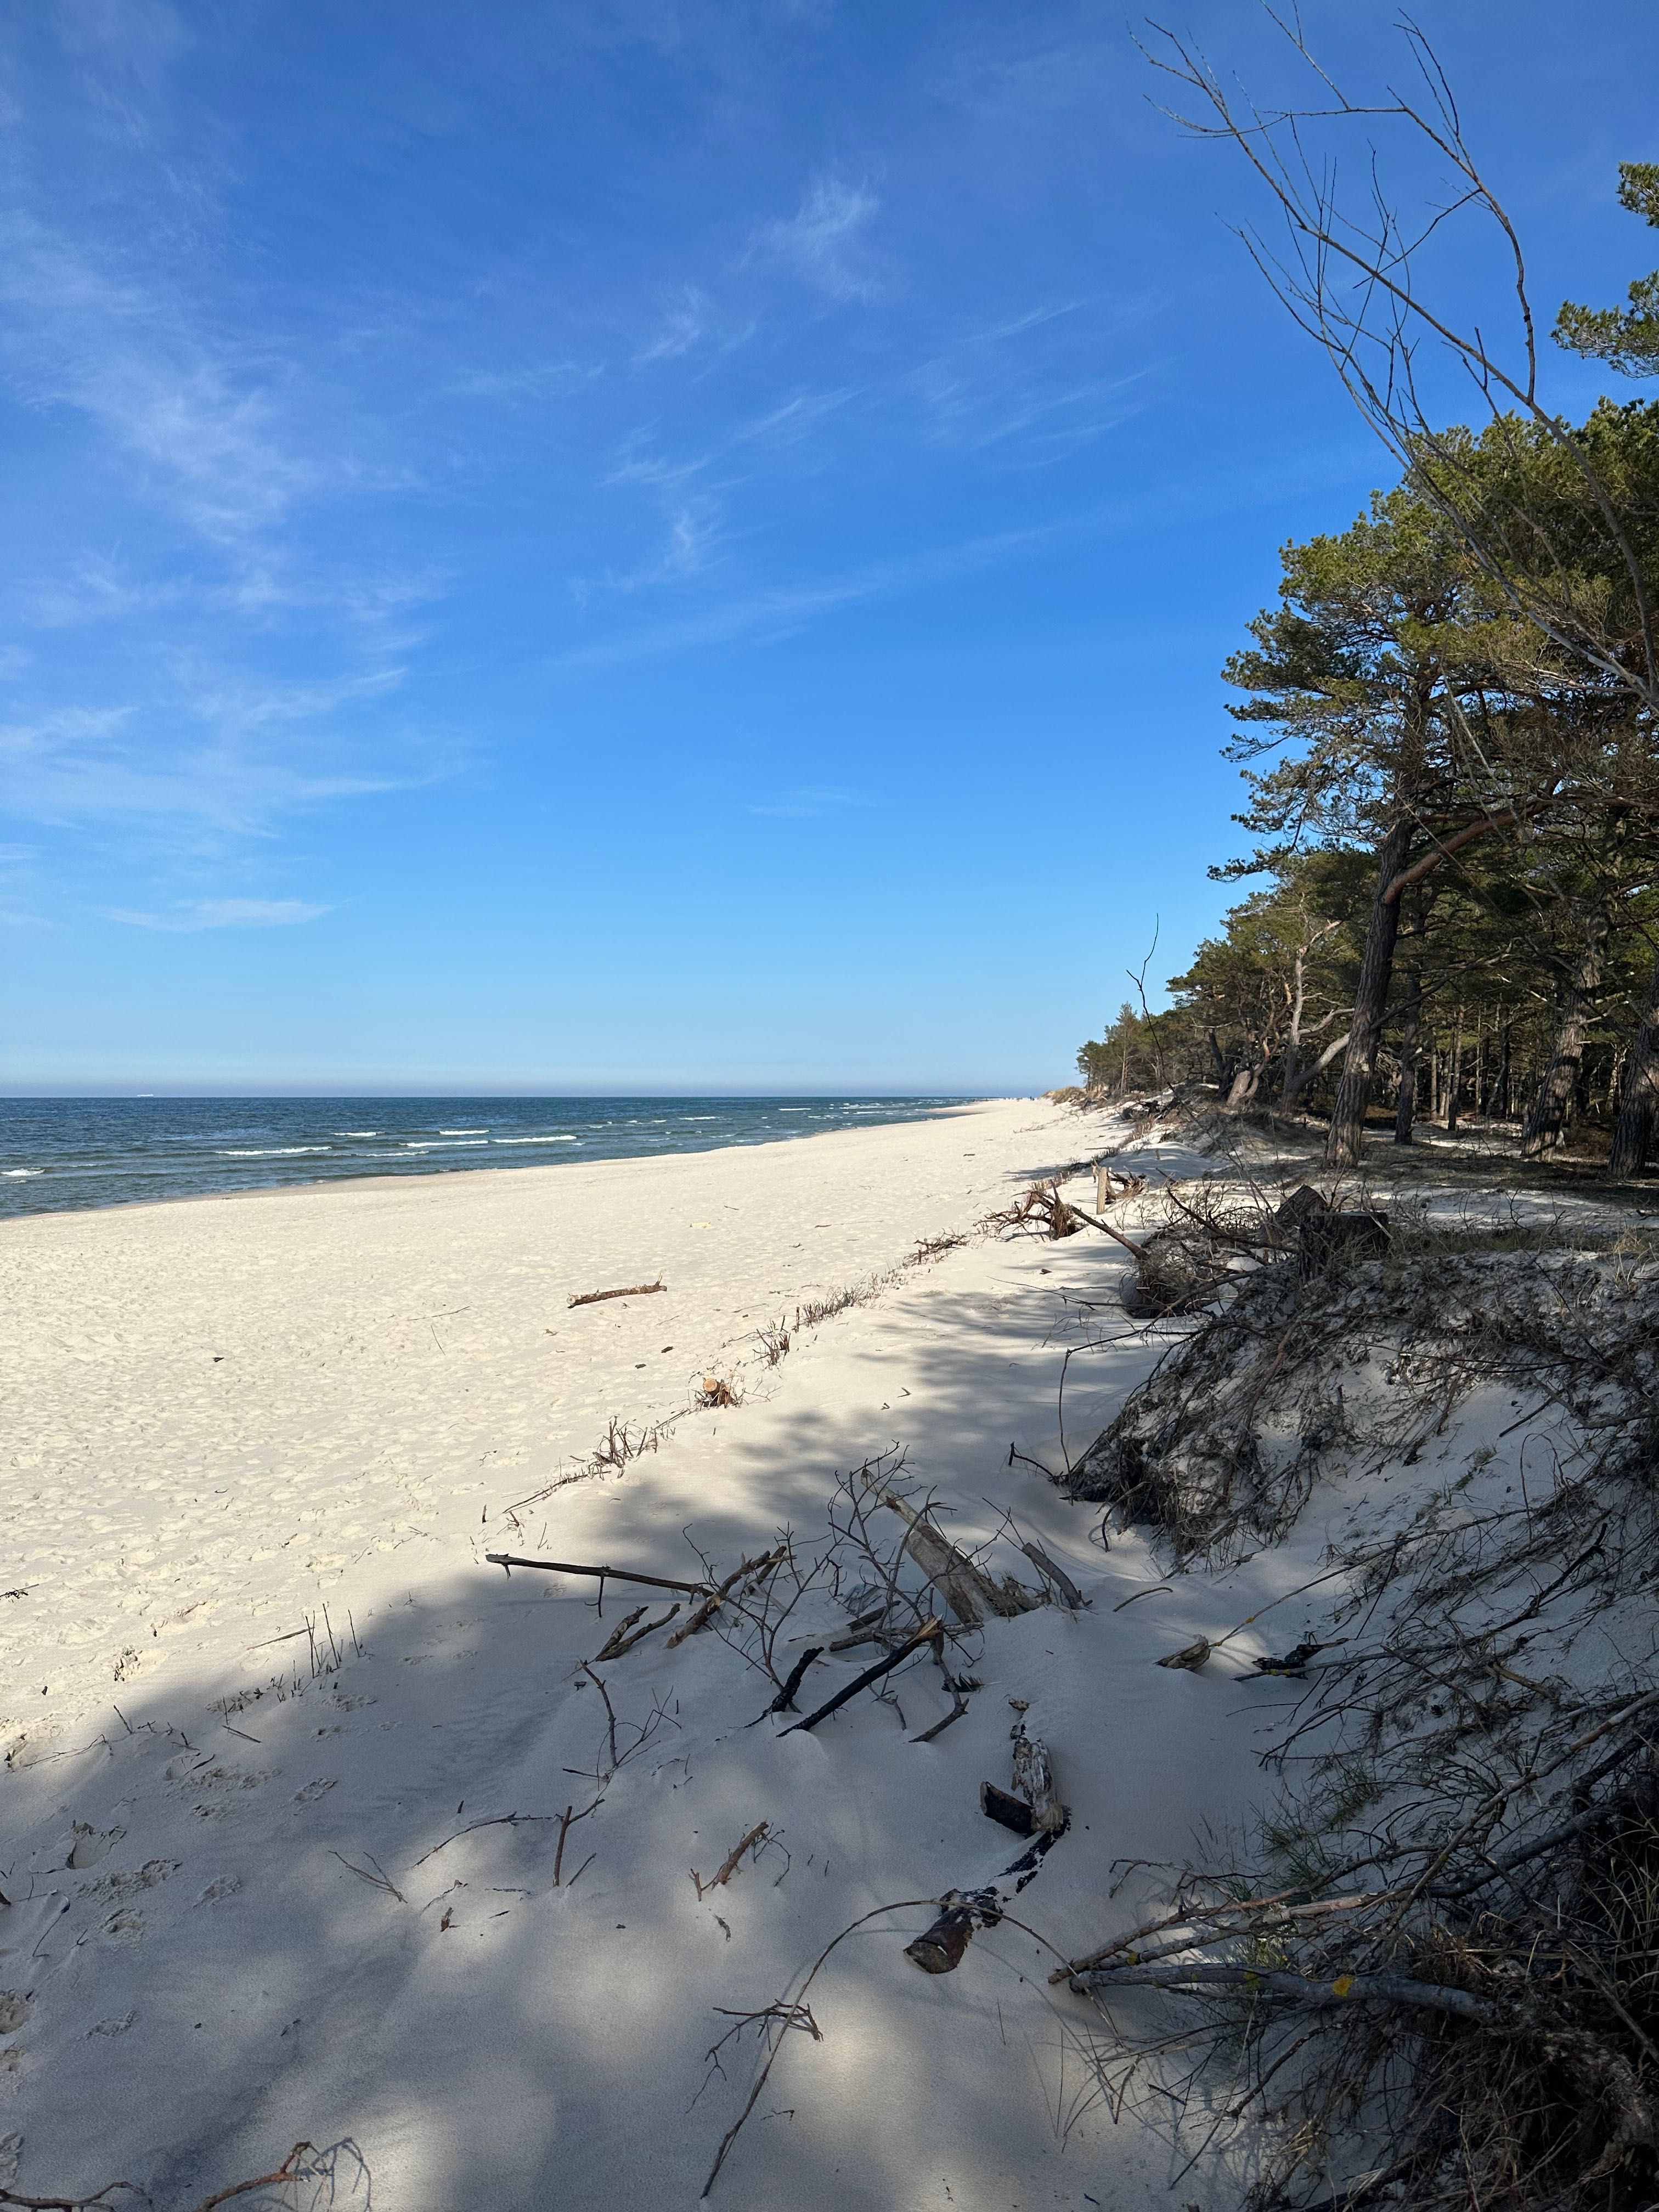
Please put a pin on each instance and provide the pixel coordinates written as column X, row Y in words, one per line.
column 664, row 545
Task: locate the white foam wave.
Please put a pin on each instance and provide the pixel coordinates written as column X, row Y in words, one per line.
column 447, row 1144
column 275, row 1152
column 357, row 1133
column 537, row 1140
column 10, row 1172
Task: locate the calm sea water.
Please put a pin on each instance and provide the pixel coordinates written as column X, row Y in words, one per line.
column 62, row 1153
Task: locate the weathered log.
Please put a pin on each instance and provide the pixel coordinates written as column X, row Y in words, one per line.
column 511, row 1559
column 969, row 1592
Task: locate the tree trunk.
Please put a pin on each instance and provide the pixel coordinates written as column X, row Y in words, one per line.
column 1455, row 1080
column 1546, row 1122
column 1503, row 1101
column 1405, row 1110
column 1639, row 1102
column 1353, row 1092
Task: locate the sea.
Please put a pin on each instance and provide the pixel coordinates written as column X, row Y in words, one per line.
column 60, row 1155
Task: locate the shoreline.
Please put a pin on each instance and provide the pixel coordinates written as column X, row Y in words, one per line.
column 502, row 1167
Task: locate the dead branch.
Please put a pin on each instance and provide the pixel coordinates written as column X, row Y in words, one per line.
column 705, row 1613
column 1376, row 1989
column 618, row 1644
column 633, row 1291
column 756, row 1835
column 931, row 1628
column 785, row 1700
column 378, row 1878
column 511, row 1559
column 1057, row 1575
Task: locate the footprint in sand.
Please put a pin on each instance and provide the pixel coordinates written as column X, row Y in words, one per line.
column 89, row 1846
column 14, row 2011
column 124, row 1927
column 227, row 1886
column 312, row 1791
column 118, row 1887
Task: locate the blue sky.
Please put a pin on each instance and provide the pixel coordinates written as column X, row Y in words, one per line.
column 654, row 545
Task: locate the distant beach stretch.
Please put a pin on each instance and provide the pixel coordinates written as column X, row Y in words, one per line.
column 61, row 1154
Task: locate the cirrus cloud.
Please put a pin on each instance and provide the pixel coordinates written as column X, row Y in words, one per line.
column 220, row 914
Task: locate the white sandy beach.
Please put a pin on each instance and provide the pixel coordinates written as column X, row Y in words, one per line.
column 238, row 1919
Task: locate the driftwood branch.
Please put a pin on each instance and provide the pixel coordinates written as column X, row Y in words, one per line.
column 717, row 1597
column 632, row 1291
column 511, row 1559
column 785, row 1700
column 619, row 1642
column 931, row 1628
column 756, row 1835
column 283, row 2172
column 1057, row 1575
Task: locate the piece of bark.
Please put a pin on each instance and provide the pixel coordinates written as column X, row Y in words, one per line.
column 1009, row 1812
column 969, row 1591
column 1033, row 1781
column 511, row 1559
column 925, row 1634
column 938, row 1949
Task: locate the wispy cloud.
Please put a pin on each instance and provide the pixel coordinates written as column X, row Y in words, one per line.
column 796, row 420
column 204, row 428
column 220, row 914
column 221, row 753
column 780, row 610
column 692, row 510
column 806, row 802
column 824, row 242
